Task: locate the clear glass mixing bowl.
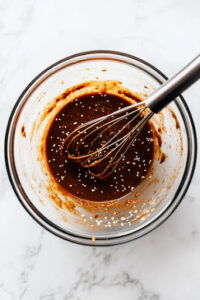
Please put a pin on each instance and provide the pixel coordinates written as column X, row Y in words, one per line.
column 116, row 221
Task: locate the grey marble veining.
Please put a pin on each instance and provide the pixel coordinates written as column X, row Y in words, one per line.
column 165, row 264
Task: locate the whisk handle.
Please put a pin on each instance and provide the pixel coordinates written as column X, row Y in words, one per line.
column 174, row 86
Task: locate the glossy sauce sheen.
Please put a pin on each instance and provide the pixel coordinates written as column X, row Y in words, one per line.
column 75, row 179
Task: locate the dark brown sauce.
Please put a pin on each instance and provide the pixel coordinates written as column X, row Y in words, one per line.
column 74, row 178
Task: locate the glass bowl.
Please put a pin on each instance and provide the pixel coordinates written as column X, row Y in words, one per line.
column 85, row 222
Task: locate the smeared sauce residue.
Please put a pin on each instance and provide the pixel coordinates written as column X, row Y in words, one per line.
column 163, row 157
column 23, row 132
column 175, row 119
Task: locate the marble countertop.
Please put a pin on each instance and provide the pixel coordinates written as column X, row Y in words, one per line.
column 34, row 264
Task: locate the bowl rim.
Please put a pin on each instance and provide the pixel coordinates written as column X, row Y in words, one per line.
column 78, row 239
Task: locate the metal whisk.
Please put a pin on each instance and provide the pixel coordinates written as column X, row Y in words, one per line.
column 101, row 144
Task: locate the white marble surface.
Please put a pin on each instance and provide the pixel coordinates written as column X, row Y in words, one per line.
column 34, row 264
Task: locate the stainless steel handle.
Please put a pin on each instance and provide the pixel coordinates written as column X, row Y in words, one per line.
column 174, row 86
